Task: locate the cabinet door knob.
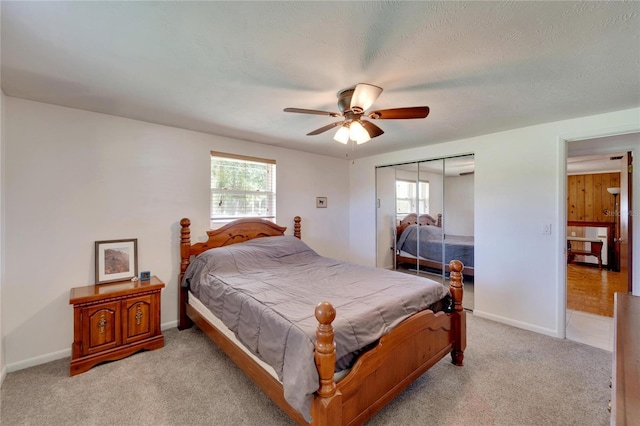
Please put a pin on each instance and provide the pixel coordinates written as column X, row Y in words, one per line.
column 102, row 323
column 139, row 315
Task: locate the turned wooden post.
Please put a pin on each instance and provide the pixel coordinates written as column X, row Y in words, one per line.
column 185, row 248
column 325, row 348
column 296, row 227
column 459, row 315
column 455, row 283
column 326, row 409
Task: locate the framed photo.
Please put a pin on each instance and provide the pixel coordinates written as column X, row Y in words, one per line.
column 321, row 202
column 116, row 260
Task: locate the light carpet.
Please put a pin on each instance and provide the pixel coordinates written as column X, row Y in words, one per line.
column 511, row 377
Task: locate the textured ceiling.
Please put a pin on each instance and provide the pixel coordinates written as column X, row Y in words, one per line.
column 229, row 68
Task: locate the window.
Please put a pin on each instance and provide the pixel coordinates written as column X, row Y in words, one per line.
column 408, row 200
column 241, row 187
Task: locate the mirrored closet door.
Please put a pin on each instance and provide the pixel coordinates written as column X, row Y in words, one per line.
column 425, row 215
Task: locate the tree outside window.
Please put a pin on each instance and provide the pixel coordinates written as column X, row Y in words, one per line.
column 411, row 197
column 242, row 187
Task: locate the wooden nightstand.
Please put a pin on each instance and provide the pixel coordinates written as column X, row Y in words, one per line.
column 113, row 321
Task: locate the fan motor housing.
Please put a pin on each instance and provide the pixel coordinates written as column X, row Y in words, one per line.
column 344, row 100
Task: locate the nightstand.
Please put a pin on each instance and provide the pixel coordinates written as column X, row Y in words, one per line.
column 113, row 321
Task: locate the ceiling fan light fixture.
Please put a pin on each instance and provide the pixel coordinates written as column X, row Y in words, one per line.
column 353, row 104
column 364, row 96
column 342, row 135
column 358, row 133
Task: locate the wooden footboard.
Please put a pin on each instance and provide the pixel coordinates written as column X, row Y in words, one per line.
column 399, row 358
column 376, row 378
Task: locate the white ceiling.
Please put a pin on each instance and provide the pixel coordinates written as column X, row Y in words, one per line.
column 229, row 68
column 599, row 155
column 599, row 163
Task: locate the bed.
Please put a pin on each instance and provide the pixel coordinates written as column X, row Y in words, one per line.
column 418, row 242
column 380, row 371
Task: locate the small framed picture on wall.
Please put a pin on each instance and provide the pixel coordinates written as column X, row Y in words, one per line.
column 321, row 202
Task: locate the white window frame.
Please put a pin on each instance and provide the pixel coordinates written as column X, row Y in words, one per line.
column 243, row 202
column 419, row 202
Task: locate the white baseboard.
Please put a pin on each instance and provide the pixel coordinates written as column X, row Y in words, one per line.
column 168, row 325
column 518, row 324
column 53, row 356
column 37, row 360
column 3, row 374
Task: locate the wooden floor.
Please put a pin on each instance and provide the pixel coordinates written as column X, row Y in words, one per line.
column 591, row 290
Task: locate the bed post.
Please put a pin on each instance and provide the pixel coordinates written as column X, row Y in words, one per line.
column 459, row 315
column 296, row 227
column 185, row 247
column 326, row 408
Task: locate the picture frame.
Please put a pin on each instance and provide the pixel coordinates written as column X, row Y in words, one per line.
column 116, row 260
column 321, row 202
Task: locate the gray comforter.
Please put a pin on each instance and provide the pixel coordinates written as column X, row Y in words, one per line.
column 266, row 290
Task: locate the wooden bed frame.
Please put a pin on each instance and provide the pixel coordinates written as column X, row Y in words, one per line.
column 399, row 358
column 424, row 220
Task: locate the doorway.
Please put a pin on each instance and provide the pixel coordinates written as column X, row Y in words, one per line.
column 599, row 183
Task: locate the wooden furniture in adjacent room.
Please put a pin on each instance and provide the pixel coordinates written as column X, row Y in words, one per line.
column 115, row 320
column 379, row 374
column 578, row 227
column 595, row 250
column 625, row 392
column 590, row 205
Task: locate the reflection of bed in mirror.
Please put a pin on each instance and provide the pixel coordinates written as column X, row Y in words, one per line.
column 424, row 233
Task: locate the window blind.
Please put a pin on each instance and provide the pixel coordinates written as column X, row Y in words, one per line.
column 411, row 198
column 242, row 187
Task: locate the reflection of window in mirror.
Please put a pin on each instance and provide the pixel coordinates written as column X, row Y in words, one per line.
column 411, row 197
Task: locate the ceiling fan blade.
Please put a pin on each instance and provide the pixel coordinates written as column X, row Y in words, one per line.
column 372, row 129
column 364, row 96
column 312, row 111
column 324, row 128
column 400, row 113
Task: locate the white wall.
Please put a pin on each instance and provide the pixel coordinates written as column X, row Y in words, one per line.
column 520, row 184
column 458, row 205
column 3, row 369
column 73, row 177
column 386, row 216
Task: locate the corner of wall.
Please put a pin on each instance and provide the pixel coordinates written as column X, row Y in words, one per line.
column 3, row 369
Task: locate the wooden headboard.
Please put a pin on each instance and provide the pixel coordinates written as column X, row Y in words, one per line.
column 234, row 232
column 423, row 219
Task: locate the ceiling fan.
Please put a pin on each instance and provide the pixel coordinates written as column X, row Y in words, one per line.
column 353, row 104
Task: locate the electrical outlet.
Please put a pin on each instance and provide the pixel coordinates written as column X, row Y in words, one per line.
column 573, row 234
column 546, row 229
